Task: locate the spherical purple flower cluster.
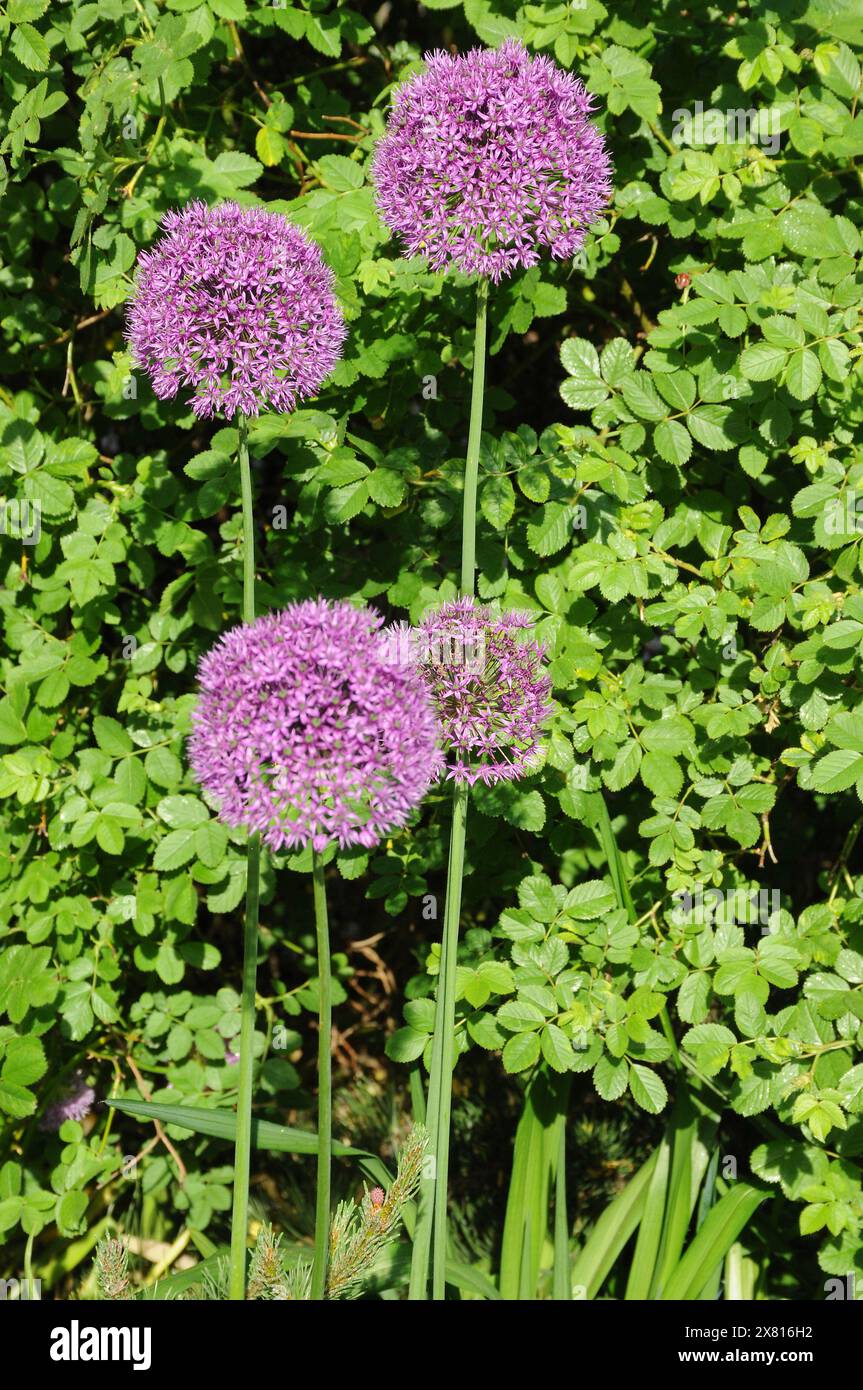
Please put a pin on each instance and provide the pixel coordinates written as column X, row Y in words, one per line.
column 306, row 731
column 488, row 158
column 490, row 687
column 75, row 1103
column 237, row 303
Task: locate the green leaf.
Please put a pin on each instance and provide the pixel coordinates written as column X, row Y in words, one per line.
column 611, row 1077
column 643, row 398
column 175, row 850
column 270, row 146
column 497, row 501
column 803, row 374
column 111, row 736
column 24, row 1064
column 673, row 442
column 556, row 1048
column 762, row 361
column 589, row 900
column 406, row 1045
column 521, row 1052
column 647, row 1088
column 30, row 48
column 551, row 531
column 537, row 896
column 719, row 1231
column 12, row 728
column 662, row 774
column 338, row 172
column 837, row 770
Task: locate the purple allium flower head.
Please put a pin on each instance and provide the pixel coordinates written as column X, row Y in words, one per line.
column 490, row 687
column 237, row 303
column 306, row 731
column 488, row 158
column 76, row 1102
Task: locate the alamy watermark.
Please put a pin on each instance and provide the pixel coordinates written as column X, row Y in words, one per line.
column 756, row 906
column 21, row 518
column 735, row 126
column 409, row 646
column 77, row 1343
column 20, row 1290
column 844, row 515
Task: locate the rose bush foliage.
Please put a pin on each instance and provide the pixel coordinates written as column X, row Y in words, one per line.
column 669, row 481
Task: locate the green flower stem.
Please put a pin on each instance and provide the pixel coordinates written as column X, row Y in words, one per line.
column 325, row 1082
column 243, row 1145
column 446, row 1004
column 418, row 1288
column 562, row 1277
column 432, row 1204
column 471, row 467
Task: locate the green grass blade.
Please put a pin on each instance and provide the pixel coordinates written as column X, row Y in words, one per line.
column 392, row 1268
column 221, row 1124
column 471, row 1280
column 614, row 1228
column 561, row 1282
column 680, row 1200
column 710, row 1246
column 741, row 1275
column 176, row 1284
column 527, row 1282
column 418, row 1095
column 641, row 1271
column 602, row 828
column 708, row 1192
column 537, row 1142
column 525, row 1192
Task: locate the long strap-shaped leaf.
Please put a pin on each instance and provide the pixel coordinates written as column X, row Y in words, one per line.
column 601, row 824
column 715, row 1238
column 535, row 1154
column 682, row 1194
column 643, row 1265
column 222, row 1124
column 611, row 1232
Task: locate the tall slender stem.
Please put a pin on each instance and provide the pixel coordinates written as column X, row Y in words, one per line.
column 418, row 1288
column 471, row 466
column 325, row 1112
column 248, row 521
column 432, row 1204
column 243, row 1144
column 562, row 1280
column 446, row 1004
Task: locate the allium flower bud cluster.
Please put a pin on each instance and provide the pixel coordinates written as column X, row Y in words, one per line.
column 490, row 688
column 75, row 1103
column 237, row 303
column 489, row 159
column 306, row 732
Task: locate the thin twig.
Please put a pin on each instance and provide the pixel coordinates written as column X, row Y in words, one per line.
column 324, row 135
column 144, row 1088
